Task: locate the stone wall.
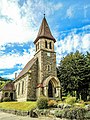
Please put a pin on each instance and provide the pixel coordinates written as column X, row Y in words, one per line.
column 32, row 82
column 21, row 96
column 52, row 113
column 48, row 60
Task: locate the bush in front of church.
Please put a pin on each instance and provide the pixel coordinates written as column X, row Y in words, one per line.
column 42, row 102
column 52, row 103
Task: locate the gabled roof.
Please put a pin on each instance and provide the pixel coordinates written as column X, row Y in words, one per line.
column 26, row 68
column 44, row 31
column 9, row 87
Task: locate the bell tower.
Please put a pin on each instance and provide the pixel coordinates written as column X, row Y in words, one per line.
column 46, row 55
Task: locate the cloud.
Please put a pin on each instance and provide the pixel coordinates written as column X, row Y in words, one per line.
column 13, row 27
column 15, row 62
column 86, row 7
column 1, row 71
column 19, row 24
column 10, row 60
column 2, row 48
column 73, row 41
column 11, row 75
column 70, row 12
column 86, row 42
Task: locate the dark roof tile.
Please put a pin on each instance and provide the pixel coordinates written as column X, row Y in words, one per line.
column 26, row 68
column 44, row 31
column 9, row 87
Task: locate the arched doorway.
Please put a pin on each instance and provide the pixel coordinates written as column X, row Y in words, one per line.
column 50, row 89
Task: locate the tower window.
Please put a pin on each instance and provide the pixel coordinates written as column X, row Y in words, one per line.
column 49, row 68
column 50, row 45
column 45, row 44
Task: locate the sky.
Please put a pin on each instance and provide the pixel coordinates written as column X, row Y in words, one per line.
column 69, row 22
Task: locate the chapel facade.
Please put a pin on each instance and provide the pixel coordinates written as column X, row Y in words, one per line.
column 39, row 76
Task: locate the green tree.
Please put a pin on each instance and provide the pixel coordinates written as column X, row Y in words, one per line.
column 73, row 72
column 3, row 81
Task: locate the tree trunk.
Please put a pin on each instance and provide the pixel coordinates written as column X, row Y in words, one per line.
column 77, row 95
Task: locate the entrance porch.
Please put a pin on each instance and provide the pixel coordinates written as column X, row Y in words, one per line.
column 51, row 87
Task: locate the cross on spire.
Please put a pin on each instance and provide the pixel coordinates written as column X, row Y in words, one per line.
column 44, row 12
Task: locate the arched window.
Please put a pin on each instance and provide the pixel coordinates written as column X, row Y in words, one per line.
column 45, row 44
column 50, row 45
column 22, row 87
column 49, row 68
column 19, row 89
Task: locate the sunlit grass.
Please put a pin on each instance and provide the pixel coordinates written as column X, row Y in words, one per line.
column 25, row 106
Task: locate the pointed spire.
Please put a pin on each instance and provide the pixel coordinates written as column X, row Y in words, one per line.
column 44, row 31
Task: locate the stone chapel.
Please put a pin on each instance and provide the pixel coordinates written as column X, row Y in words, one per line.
column 39, row 76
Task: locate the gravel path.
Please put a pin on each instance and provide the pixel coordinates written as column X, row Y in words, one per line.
column 7, row 116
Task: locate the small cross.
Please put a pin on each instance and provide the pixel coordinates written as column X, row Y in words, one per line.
column 44, row 13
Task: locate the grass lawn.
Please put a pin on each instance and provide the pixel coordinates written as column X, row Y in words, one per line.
column 24, row 106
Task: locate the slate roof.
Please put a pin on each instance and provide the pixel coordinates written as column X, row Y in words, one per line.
column 9, row 87
column 44, row 31
column 26, row 68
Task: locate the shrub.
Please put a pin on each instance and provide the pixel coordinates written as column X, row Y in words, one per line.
column 81, row 101
column 87, row 115
column 6, row 99
column 67, row 106
column 86, row 103
column 87, row 107
column 42, row 112
column 75, row 113
column 80, row 113
column 70, row 100
column 58, row 99
column 52, row 103
column 42, row 102
column 59, row 113
column 61, row 105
